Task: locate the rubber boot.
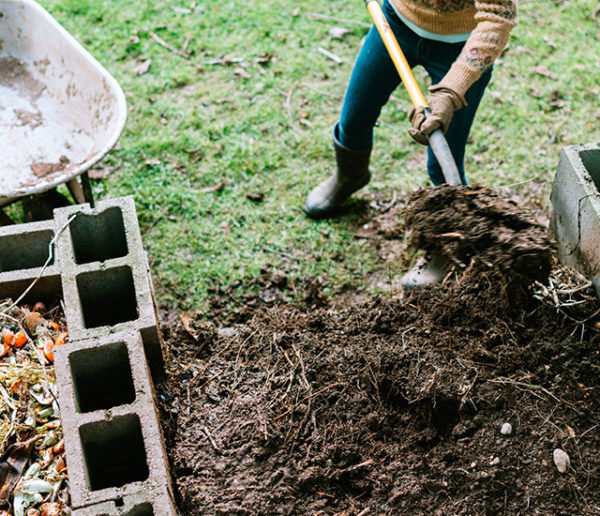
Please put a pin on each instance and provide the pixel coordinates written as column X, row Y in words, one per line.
column 427, row 271
column 352, row 174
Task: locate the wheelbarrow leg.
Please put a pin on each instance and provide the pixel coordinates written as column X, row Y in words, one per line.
column 87, row 188
column 81, row 192
column 5, row 220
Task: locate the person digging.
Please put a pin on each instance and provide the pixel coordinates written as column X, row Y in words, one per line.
column 456, row 41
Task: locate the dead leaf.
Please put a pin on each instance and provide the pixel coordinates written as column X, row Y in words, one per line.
column 255, row 196
column 240, row 72
column 571, row 432
column 12, row 464
column 32, row 321
column 264, row 58
column 542, row 70
column 154, row 161
column 215, row 188
column 339, row 32
column 186, row 319
column 296, row 12
column 181, row 10
column 142, row 68
column 100, row 172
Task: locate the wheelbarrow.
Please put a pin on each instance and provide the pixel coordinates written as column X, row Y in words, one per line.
column 60, row 110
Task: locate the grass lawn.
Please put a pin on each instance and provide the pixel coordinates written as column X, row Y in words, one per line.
column 223, row 143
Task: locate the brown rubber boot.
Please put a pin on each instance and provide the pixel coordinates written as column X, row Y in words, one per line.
column 352, row 174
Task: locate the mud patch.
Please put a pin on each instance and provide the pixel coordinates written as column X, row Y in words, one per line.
column 475, row 223
column 45, row 169
column 29, row 118
column 15, row 74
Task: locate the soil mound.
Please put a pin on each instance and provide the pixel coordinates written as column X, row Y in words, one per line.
column 391, row 406
column 473, row 222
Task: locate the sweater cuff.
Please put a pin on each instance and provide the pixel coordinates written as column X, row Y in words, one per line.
column 460, row 77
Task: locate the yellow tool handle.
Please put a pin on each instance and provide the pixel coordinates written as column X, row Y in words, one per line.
column 414, row 92
column 437, row 140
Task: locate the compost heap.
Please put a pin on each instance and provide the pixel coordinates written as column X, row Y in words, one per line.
column 389, row 406
column 473, row 223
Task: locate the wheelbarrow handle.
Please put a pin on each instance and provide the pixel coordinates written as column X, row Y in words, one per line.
column 437, row 140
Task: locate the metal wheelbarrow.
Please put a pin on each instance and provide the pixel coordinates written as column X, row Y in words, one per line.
column 60, row 110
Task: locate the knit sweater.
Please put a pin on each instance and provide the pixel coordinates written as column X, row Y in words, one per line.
column 488, row 21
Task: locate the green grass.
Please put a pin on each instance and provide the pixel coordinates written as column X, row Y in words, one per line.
column 261, row 122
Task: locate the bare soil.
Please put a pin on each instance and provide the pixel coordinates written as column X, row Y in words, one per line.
column 388, row 404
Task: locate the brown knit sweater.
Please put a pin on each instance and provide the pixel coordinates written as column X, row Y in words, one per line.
column 489, row 23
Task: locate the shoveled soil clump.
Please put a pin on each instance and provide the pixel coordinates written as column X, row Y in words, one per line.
column 391, row 406
column 467, row 223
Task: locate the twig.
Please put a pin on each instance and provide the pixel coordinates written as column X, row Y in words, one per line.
column 211, row 440
column 310, row 396
column 171, row 48
column 533, row 387
column 356, row 466
column 50, row 258
column 330, row 55
column 188, row 38
column 303, row 370
column 588, row 430
column 288, row 105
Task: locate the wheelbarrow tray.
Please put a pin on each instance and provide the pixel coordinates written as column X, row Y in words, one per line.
column 60, row 110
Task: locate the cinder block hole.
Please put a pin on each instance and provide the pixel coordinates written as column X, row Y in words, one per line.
column 107, row 297
column 114, row 452
column 153, row 351
column 97, row 238
column 102, row 377
column 47, row 289
column 142, row 510
column 591, row 161
column 25, row 251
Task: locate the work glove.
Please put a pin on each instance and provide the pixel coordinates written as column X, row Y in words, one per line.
column 443, row 102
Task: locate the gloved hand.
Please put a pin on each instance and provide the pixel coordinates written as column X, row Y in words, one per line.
column 443, row 102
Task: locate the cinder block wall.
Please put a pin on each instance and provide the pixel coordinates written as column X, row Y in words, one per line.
column 575, row 220
column 114, row 446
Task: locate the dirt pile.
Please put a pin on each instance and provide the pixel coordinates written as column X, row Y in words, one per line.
column 475, row 223
column 391, row 406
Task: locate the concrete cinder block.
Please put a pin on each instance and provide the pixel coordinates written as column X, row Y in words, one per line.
column 575, row 220
column 24, row 249
column 105, row 280
column 153, row 503
column 113, row 440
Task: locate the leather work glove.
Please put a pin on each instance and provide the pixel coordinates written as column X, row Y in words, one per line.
column 443, row 102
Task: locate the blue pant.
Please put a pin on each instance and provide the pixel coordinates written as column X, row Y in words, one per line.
column 374, row 78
